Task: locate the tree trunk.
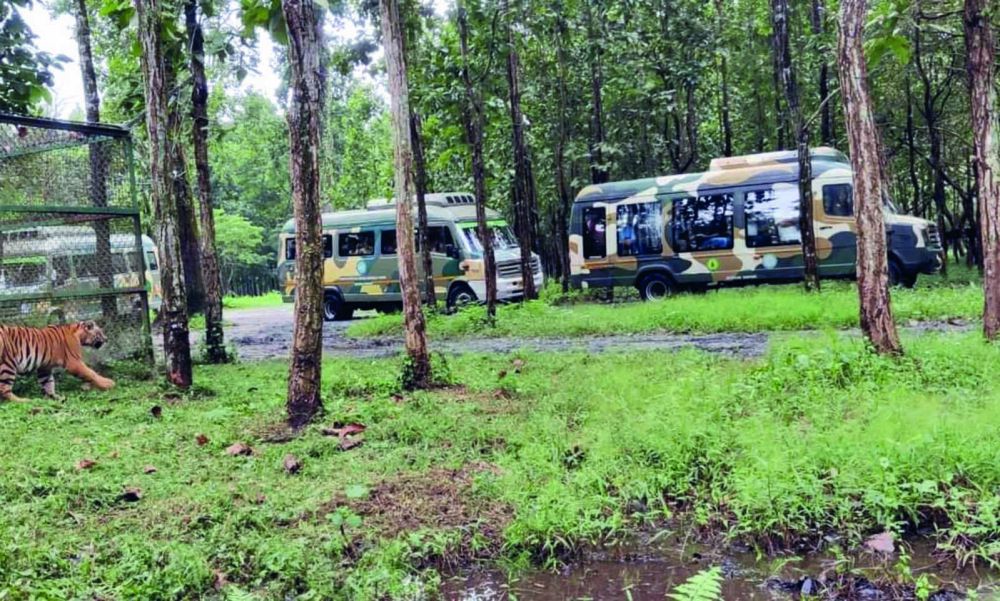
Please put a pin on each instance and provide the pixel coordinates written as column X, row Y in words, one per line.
column 979, row 43
column 598, row 170
column 780, row 18
column 187, row 225
column 781, row 118
column 818, row 22
column 98, row 162
column 869, row 195
column 562, row 186
column 523, row 186
column 473, row 114
column 727, row 128
column 305, row 112
column 418, row 371
column 420, row 180
column 173, row 311
column 916, row 204
column 215, row 346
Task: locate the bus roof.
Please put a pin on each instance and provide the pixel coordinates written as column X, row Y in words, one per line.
column 768, row 167
column 79, row 243
column 441, row 207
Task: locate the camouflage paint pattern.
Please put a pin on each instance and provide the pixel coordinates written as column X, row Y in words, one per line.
column 913, row 242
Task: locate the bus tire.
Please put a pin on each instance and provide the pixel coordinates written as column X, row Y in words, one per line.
column 899, row 277
column 459, row 295
column 335, row 309
column 656, row 287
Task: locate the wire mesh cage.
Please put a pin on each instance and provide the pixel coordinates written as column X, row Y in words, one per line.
column 71, row 245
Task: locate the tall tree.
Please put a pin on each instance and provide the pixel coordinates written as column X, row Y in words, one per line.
column 174, row 320
column 187, row 223
column 305, row 111
column 723, row 62
column 598, row 170
column 869, row 193
column 780, row 18
column 980, row 43
column 523, row 188
column 817, row 21
column 211, row 279
column 418, row 370
column 98, row 161
column 473, row 116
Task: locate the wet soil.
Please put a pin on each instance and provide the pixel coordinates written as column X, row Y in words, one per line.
column 650, row 566
column 267, row 334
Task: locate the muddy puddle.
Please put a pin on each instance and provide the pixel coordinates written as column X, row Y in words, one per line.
column 648, row 567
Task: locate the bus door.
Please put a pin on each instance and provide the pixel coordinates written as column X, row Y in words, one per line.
column 773, row 240
column 445, row 258
column 836, row 229
column 702, row 231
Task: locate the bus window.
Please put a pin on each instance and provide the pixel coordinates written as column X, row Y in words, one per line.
column 703, row 223
column 639, row 229
column 356, row 244
column 439, row 239
column 151, row 259
column 594, row 226
column 290, row 249
column 772, row 217
column 838, row 200
column 388, row 242
column 327, row 246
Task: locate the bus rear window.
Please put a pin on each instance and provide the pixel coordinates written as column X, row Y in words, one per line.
column 594, row 233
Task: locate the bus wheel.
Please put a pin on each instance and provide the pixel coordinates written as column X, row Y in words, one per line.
column 334, row 308
column 655, row 287
column 460, row 295
column 898, row 277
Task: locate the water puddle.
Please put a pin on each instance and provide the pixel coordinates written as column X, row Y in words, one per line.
column 646, row 569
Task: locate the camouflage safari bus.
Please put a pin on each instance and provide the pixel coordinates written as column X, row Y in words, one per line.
column 736, row 223
column 360, row 269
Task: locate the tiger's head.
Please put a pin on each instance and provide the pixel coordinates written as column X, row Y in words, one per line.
column 89, row 334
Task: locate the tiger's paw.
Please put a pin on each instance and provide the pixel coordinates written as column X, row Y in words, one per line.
column 105, row 384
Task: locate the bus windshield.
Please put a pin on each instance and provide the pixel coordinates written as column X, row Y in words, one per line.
column 503, row 238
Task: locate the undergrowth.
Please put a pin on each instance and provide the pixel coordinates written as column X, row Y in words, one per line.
column 549, row 451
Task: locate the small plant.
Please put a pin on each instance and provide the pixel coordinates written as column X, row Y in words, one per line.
column 706, row 585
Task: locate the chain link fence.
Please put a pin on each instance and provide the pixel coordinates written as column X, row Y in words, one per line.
column 71, row 247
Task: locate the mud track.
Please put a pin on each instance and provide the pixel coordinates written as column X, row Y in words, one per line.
column 267, row 334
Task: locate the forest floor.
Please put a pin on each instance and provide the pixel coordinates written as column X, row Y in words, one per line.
column 520, row 461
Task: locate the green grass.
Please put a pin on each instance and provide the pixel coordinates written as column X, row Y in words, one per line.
column 271, row 299
column 751, row 309
column 818, row 437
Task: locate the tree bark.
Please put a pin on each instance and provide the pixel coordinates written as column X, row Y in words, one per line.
column 523, row 186
column 562, row 185
column 780, row 17
column 781, row 118
column 873, row 278
column 598, row 170
column 173, row 311
column 727, row 128
column 214, row 338
column 418, row 371
column 980, row 43
column 473, row 115
column 98, row 162
column 187, row 225
column 305, row 112
column 420, row 181
column 916, row 203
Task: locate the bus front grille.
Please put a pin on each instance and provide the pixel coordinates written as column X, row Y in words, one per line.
column 933, row 237
column 512, row 269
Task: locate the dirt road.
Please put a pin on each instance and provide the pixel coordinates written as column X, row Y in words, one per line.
column 267, row 334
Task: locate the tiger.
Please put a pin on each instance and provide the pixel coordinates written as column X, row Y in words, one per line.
column 26, row 349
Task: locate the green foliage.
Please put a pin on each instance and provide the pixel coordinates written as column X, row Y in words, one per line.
column 25, row 73
column 706, row 585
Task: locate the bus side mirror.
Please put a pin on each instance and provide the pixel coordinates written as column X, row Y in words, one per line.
column 452, row 251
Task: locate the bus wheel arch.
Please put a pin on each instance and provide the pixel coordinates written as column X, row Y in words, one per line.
column 460, row 294
column 334, row 307
column 655, row 285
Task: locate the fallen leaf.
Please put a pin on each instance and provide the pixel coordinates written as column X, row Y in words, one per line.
column 131, row 495
column 261, row 498
column 238, row 448
column 156, row 411
column 518, row 365
column 881, row 543
column 113, row 454
column 219, row 580
column 347, row 443
column 149, row 469
column 502, row 374
column 345, row 430
column 292, row 464
column 201, row 439
column 85, row 464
